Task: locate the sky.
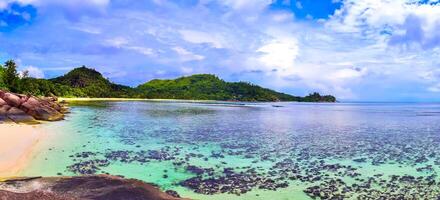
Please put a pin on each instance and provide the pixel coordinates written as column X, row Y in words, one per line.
column 357, row 50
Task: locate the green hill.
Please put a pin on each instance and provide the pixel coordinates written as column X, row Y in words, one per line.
column 92, row 83
column 209, row 87
column 86, row 82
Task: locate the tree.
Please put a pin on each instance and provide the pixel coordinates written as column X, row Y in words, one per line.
column 2, row 81
column 10, row 74
column 25, row 74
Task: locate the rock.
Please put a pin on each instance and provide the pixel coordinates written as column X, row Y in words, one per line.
column 46, row 113
column 23, row 98
column 19, row 116
column 52, row 98
column 173, row 193
column 6, row 195
column 3, row 118
column 15, row 111
column 4, row 109
column 55, row 106
column 33, row 101
column 84, row 187
column 195, row 169
column 29, row 108
column 26, row 107
column 12, row 99
column 2, row 102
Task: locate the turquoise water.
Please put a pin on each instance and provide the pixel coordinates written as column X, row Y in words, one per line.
column 252, row 151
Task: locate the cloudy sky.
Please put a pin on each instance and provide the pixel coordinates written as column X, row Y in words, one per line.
column 358, row 50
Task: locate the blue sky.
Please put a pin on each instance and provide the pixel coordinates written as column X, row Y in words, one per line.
column 359, row 50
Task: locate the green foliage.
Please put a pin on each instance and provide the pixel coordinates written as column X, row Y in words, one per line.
column 10, row 76
column 2, row 78
column 85, row 82
column 316, row 97
column 11, row 81
column 42, row 87
column 209, row 87
column 243, row 91
column 201, row 87
column 92, row 84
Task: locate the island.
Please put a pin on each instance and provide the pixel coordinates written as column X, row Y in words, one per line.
column 87, row 82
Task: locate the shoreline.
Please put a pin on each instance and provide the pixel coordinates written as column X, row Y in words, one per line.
column 155, row 100
column 17, row 144
column 85, row 99
column 137, row 99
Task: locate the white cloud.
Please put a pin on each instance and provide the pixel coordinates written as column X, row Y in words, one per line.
column 118, row 42
column 347, row 73
column 34, row 72
column 199, row 37
column 87, row 29
column 434, row 88
column 186, row 55
column 356, row 15
column 246, row 4
column 283, row 16
column 187, row 70
column 124, row 43
column 3, row 4
column 160, row 72
column 432, row 78
column 72, row 9
column 142, row 50
column 66, row 4
column 61, row 2
column 407, row 21
column 279, row 55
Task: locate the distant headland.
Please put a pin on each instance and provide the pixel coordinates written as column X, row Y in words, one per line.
column 87, row 82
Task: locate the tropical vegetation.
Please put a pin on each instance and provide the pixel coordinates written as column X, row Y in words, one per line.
column 86, row 82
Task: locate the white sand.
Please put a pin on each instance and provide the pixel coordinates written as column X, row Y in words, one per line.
column 16, row 145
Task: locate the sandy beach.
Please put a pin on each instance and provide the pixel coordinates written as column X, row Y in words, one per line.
column 16, row 145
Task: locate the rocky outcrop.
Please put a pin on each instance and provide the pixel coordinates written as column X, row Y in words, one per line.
column 25, row 108
column 84, row 187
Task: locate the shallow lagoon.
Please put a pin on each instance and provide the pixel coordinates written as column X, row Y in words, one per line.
column 252, row 151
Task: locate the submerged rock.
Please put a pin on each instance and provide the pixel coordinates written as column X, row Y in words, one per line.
column 85, row 187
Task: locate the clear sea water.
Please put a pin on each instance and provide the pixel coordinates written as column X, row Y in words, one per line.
column 252, row 151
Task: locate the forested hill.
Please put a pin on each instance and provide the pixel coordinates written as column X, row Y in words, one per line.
column 86, row 82
column 207, row 86
column 92, row 83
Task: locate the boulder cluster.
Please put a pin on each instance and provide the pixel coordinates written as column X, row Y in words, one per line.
column 21, row 108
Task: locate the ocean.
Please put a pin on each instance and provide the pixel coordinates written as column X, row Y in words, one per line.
column 218, row 150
